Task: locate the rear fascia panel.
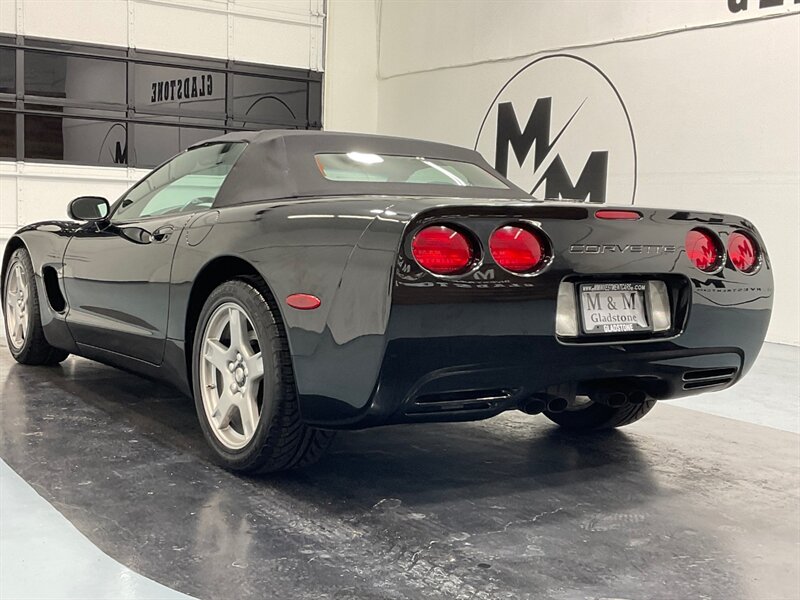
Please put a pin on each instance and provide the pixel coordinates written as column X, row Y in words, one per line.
column 492, row 329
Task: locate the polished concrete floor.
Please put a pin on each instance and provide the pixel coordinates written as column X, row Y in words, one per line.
column 109, row 492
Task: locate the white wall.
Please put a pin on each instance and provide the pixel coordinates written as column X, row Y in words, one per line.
column 713, row 97
column 424, row 35
column 31, row 192
column 351, row 67
column 276, row 32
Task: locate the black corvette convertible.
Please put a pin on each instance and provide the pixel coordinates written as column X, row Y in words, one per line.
column 295, row 283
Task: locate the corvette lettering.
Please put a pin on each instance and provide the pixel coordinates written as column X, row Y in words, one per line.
column 626, row 249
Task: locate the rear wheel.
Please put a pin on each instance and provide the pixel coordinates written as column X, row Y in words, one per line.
column 244, row 387
column 23, row 321
column 592, row 416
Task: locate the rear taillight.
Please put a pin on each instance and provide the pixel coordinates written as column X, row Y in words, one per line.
column 743, row 252
column 518, row 249
column 704, row 250
column 442, row 250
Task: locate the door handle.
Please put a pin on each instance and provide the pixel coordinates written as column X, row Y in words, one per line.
column 162, row 234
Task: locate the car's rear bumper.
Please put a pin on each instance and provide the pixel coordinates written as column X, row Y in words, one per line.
column 473, row 391
column 509, row 352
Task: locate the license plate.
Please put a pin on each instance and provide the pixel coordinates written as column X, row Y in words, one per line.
column 614, row 308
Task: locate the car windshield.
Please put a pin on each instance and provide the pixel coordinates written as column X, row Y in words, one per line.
column 375, row 168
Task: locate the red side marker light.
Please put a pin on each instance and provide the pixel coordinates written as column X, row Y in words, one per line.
column 303, row 301
column 618, row 215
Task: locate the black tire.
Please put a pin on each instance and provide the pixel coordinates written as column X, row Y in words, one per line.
column 596, row 416
column 34, row 349
column 281, row 440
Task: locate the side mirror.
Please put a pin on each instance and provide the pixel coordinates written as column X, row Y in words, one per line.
column 88, row 208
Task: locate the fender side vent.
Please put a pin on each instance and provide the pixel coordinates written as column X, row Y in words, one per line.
column 703, row 378
column 53, row 290
column 464, row 400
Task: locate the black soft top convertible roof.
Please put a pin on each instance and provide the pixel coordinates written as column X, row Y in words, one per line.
column 280, row 164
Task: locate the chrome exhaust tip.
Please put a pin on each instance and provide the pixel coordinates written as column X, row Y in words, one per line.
column 617, row 400
column 556, row 405
column 533, row 406
column 637, row 397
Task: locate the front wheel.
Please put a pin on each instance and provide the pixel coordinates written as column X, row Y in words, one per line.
column 23, row 321
column 244, row 387
column 592, row 416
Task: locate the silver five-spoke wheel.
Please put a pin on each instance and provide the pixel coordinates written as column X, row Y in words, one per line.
column 243, row 384
column 16, row 309
column 231, row 376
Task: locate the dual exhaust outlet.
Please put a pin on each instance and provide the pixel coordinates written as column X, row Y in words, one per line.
column 540, row 403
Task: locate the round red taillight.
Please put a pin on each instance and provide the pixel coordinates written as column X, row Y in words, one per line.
column 517, row 249
column 703, row 249
column 442, row 250
column 743, row 252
